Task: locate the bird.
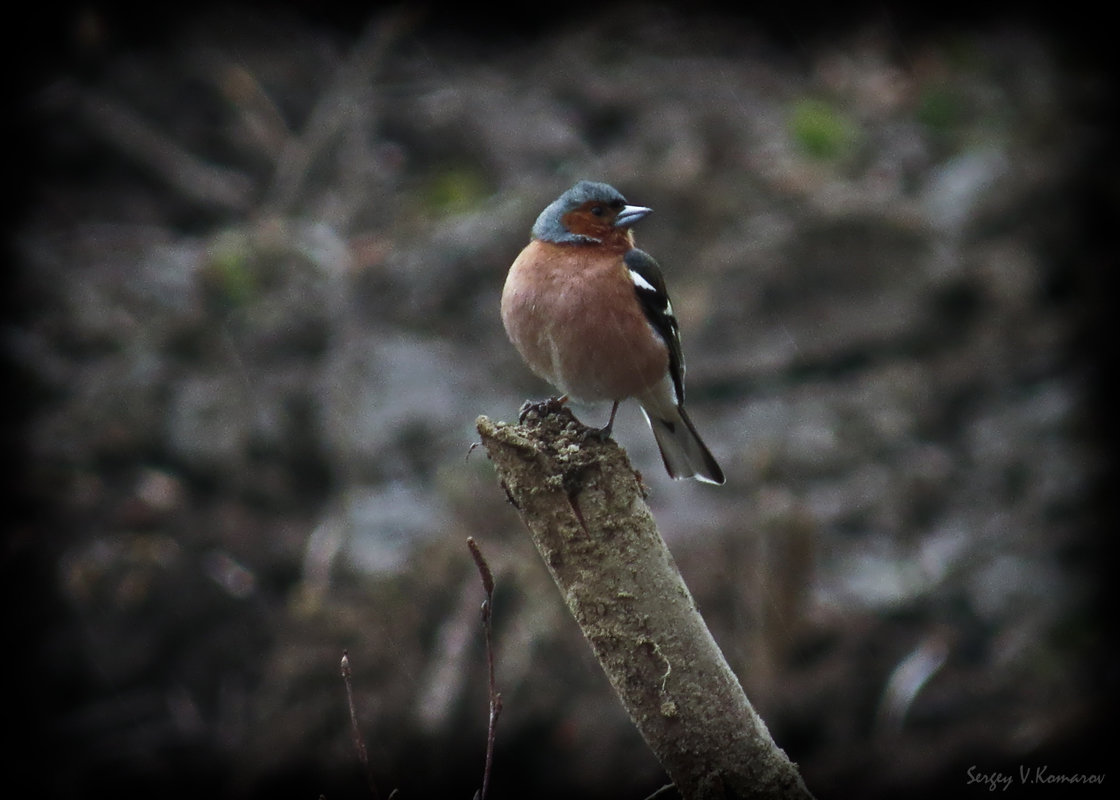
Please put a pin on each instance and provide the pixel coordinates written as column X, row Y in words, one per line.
column 589, row 313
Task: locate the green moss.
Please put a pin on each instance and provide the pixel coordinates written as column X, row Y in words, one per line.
column 940, row 109
column 454, row 189
column 821, row 130
column 230, row 276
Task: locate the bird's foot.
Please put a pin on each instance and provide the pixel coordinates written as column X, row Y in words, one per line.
column 603, row 433
column 541, row 408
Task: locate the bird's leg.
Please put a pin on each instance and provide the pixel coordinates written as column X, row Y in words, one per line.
column 542, row 407
column 604, row 432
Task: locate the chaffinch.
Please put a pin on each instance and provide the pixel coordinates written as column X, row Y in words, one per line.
column 589, row 313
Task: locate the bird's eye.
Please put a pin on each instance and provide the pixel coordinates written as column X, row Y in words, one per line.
column 598, row 210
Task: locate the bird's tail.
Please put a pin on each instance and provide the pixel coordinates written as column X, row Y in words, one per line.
column 684, row 453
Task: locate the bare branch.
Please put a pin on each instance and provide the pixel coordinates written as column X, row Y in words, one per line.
column 140, row 140
column 359, row 742
column 584, row 506
column 345, row 98
column 495, row 697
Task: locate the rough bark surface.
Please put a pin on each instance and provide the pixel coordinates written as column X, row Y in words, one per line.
column 585, row 508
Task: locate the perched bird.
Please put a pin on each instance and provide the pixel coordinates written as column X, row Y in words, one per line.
column 589, row 313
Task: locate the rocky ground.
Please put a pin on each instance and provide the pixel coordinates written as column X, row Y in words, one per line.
column 257, row 318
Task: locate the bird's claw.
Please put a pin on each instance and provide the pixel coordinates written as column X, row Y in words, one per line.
column 602, row 434
column 542, row 408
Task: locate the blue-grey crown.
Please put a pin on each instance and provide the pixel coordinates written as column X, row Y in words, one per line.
column 550, row 226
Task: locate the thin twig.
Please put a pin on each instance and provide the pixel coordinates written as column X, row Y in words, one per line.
column 495, row 696
column 143, row 142
column 359, row 743
column 345, row 99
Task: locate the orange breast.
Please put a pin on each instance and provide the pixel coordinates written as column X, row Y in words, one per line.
column 572, row 313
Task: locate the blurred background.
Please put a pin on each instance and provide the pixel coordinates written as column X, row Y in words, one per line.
column 253, row 317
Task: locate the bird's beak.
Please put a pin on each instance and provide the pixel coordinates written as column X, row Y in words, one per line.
column 629, row 215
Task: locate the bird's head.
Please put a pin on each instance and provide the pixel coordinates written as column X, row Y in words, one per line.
column 589, row 212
